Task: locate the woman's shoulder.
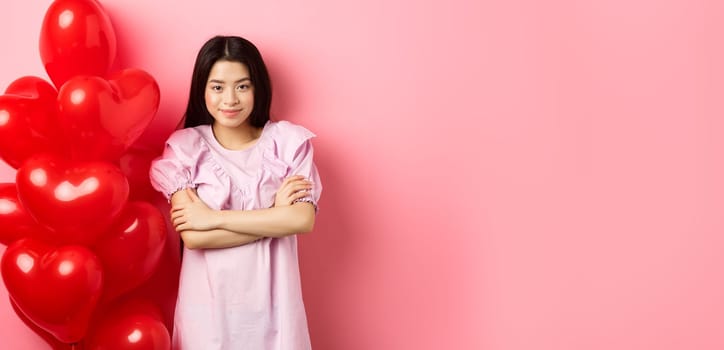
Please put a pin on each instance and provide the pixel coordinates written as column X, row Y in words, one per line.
column 286, row 131
column 188, row 142
column 287, row 140
column 186, row 136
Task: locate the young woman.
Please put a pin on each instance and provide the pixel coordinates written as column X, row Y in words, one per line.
column 241, row 187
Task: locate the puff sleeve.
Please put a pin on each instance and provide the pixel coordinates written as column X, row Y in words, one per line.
column 172, row 171
column 295, row 148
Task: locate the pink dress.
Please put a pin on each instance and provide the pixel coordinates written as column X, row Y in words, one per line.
column 246, row 297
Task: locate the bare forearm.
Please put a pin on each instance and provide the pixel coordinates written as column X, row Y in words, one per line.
column 271, row 222
column 189, row 213
column 216, row 239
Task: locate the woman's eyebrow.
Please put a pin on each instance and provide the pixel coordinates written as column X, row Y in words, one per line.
column 222, row 82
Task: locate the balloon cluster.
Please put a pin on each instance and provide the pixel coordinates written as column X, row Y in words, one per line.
column 79, row 238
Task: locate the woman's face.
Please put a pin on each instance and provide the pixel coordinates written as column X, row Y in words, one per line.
column 229, row 94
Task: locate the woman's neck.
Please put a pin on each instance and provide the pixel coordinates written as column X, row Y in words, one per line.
column 238, row 138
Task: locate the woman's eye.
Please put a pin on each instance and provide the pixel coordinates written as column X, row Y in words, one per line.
column 242, row 87
column 216, row 88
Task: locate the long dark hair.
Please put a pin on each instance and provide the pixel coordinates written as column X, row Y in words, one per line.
column 233, row 49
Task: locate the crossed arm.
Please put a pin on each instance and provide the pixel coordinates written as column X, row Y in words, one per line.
column 203, row 227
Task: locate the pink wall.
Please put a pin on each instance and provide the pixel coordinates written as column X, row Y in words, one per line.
column 506, row 175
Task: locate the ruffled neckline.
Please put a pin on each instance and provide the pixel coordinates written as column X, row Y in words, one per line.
column 211, row 139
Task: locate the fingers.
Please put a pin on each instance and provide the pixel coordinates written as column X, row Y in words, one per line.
column 296, row 185
column 294, row 179
column 298, row 195
column 292, row 188
column 289, row 180
column 290, row 199
column 175, row 213
column 177, row 216
column 300, row 186
column 296, row 190
column 178, row 222
column 192, row 194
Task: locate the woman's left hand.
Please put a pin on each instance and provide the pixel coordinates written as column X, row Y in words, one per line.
column 194, row 215
column 293, row 188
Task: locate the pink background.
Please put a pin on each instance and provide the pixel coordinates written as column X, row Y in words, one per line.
column 500, row 175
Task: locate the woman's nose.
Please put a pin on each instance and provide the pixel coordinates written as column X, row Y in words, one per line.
column 230, row 98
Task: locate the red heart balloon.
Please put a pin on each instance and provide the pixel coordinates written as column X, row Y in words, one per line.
column 45, row 107
column 28, row 115
column 49, row 338
column 77, row 200
column 108, row 326
column 76, row 38
column 161, row 288
column 102, row 118
column 136, row 164
column 56, row 288
column 125, row 306
column 132, row 248
column 15, row 222
column 129, row 331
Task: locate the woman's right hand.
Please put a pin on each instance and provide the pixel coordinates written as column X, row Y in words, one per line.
column 293, row 188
